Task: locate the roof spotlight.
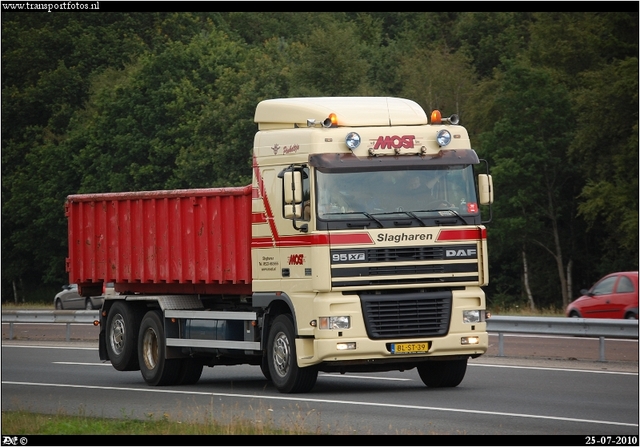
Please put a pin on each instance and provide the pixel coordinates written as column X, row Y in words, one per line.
column 443, row 137
column 353, row 140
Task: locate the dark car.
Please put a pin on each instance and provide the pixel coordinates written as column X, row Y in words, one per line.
column 614, row 296
column 69, row 298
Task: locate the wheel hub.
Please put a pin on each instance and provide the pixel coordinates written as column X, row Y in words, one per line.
column 281, row 355
column 117, row 335
column 150, row 349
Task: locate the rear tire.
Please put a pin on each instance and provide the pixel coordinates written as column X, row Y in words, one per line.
column 88, row 305
column 285, row 373
column 156, row 369
column 442, row 374
column 123, row 323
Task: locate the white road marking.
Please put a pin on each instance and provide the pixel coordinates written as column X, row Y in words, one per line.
column 594, row 371
column 83, row 364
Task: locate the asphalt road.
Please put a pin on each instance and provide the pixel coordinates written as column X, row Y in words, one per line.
column 499, row 396
column 542, row 386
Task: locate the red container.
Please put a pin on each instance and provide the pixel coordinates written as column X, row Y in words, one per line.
column 180, row 241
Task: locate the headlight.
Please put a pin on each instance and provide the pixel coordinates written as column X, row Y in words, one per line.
column 472, row 316
column 352, row 140
column 334, row 323
column 443, row 138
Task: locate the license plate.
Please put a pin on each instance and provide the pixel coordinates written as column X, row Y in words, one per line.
column 409, row 348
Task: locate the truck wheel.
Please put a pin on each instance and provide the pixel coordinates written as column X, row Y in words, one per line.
column 156, row 369
column 285, row 373
column 190, row 371
column 441, row 374
column 123, row 323
column 264, row 367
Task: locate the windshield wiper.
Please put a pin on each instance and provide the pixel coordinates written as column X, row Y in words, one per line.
column 369, row 216
column 373, row 218
column 412, row 214
column 448, row 210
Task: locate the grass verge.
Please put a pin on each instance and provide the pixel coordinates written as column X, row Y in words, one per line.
column 25, row 423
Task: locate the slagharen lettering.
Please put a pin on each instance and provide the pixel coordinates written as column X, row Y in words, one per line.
column 397, row 238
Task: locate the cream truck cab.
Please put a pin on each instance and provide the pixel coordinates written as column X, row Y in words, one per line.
column 367, row 218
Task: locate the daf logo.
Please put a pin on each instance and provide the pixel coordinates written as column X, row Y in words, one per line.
column 347, row 257
column 470, row 253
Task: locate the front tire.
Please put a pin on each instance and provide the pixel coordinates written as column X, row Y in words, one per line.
column 156, row 369
column 58, row 304
column 190, row 371
column 123, row 323
column 264, row 367
column 442, row 374
column 285, row 373
column 88, row 305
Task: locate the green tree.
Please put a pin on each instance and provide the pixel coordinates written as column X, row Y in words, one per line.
column 165, row 113
column 48, row 64
column 528, row 147
column 489, row 38
column 443, row 81
column 606, row 150
column 576, row 42
column 330, row 63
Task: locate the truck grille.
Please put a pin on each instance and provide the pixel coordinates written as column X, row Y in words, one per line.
column 405, row 266
column 408, row 315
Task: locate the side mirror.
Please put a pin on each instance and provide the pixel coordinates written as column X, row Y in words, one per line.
column 485, row 189
column 293, row 211
column 292, row 187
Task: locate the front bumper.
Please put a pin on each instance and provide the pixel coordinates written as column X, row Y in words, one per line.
column 315, row 351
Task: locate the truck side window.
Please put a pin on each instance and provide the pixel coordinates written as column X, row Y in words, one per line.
column 306, row 195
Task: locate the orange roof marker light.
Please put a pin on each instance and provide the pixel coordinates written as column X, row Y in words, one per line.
column 436, row 118
column 332, row 120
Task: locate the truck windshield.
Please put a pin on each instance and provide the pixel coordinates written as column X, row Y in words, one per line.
column 417, row 193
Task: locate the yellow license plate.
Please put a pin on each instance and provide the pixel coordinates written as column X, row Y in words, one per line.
column 409, row 348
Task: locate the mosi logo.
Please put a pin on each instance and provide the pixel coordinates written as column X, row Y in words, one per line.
column 394, row 142
column 296, row 259
column 469, row 253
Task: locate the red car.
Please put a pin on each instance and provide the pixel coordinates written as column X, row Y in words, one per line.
column 614, row 296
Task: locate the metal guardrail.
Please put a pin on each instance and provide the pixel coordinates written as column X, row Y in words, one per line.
column 586, row 327
column 49, row 316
